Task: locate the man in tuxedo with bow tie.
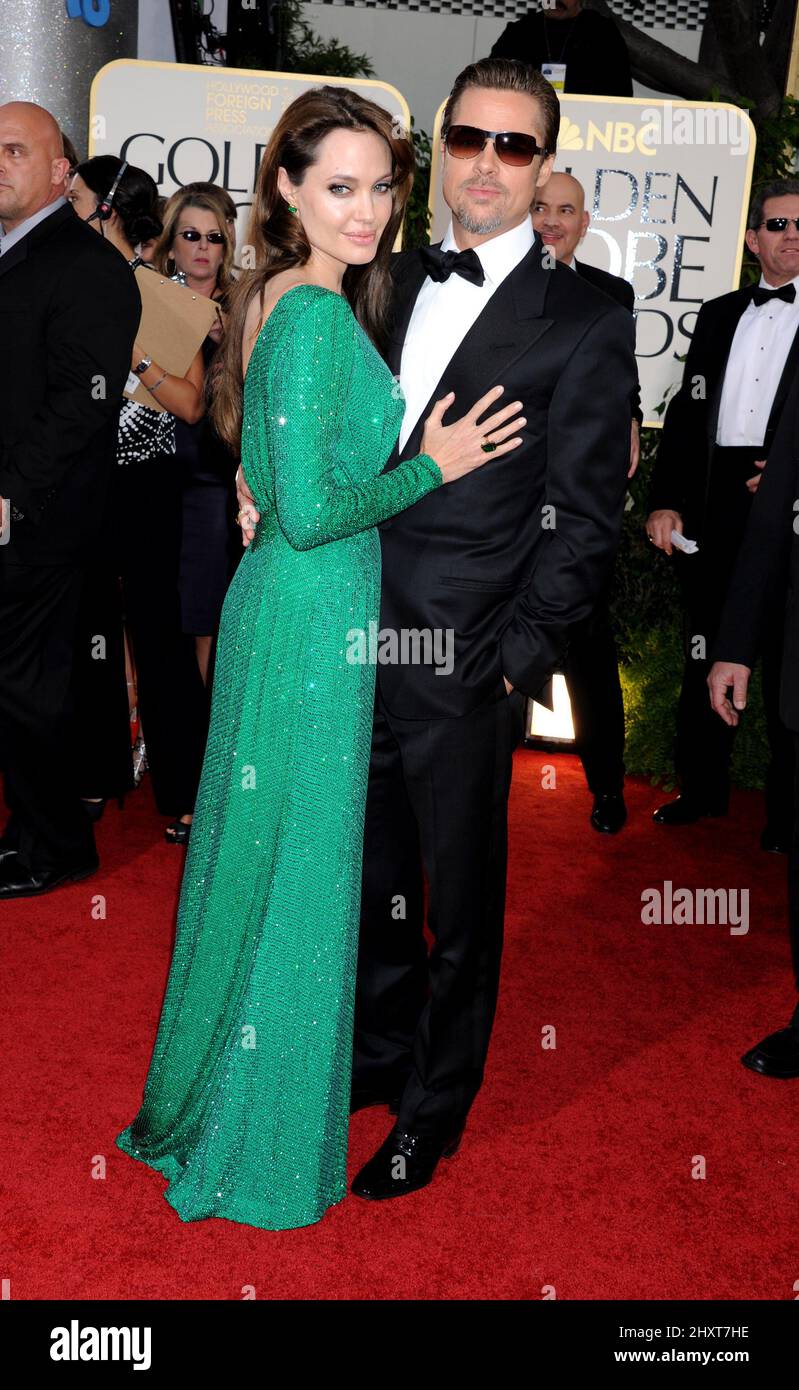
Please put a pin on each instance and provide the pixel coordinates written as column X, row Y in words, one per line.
column 499, row 569
column 717, row 434
column 504, row 563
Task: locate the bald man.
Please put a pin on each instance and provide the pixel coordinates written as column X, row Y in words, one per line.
column 69, row 311
column 591, row 667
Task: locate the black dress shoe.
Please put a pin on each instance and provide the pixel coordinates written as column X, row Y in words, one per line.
column 361, row 1100
column 685, row 810
column 18, row 881
column 777, row 1055
column 775, row 840
column 609, row 813
column 404, row 1163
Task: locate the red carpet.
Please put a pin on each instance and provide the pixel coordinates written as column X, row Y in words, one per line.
column 576, row 1168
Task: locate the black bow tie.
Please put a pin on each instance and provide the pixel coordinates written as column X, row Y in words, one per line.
column 761, row 296
column 440, row 264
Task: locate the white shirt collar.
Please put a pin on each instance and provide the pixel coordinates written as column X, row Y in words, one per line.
column 500, row 254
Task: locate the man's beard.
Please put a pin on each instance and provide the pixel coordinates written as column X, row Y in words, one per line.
column 478, row 226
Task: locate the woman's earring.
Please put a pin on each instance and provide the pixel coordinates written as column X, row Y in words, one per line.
column 292, row 207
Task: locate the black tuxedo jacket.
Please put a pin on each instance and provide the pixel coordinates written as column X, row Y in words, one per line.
column 622, row 291
column 511, row 555
column 766, row 574
column 69, row 312
column 681, row 476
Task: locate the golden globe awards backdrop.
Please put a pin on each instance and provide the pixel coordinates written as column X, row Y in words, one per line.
column 667, row 187
column 181, row 122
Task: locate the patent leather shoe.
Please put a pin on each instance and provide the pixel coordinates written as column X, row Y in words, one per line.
column 777, row 1055
column 609, row 813
column 404, row 1163
column 685, row 811
column 775, row 840
column 18, row 881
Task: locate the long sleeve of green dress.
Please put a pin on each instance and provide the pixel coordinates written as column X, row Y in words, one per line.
column 313, row 384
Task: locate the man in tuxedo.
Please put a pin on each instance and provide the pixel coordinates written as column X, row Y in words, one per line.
column 69, row 311
column 506, row 563
column 717, row 435
column 591, row 665
column 500, row 569
column 765, row 583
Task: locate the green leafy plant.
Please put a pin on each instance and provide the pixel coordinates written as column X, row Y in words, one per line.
column 416, row 227
column 303, row 50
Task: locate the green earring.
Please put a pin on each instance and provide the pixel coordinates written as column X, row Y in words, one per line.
column 292, row 207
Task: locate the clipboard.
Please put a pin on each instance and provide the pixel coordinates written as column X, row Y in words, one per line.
column 174, row 323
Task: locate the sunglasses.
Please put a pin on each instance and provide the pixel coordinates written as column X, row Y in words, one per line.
column 778, row 224
column 512, row 146
column 191, row 234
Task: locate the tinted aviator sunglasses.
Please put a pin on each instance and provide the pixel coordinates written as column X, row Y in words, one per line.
column 512, row 146
column 191, row 234
column 779, row 224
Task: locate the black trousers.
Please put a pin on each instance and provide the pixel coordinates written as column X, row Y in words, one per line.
column 137, row 573
column 793, row 882
column 437, row 801
column 38, row 614
column 704, row 742
column 591, row 669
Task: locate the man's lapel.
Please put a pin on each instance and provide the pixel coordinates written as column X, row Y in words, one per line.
column 509, row 325
column 722, row 342
column 406, row 293
column 47, row 227
column 788, row 373
column 13, row 257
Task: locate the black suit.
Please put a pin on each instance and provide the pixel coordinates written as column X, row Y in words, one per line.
column 591, row 666
column 595, row 54
column 765, row 587
column 480, row 557
column 706, row 485
column 69, row 311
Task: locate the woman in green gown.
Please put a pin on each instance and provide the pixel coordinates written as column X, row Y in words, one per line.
column 246, row 1102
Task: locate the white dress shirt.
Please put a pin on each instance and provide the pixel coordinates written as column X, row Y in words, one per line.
column 757, row 357
column 9, row 239
column 445, row 311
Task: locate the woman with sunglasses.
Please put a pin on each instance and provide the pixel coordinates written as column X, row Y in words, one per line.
column 198, row 243
column 141, row 562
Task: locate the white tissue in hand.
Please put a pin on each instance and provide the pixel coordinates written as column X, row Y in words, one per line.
column 683, row 543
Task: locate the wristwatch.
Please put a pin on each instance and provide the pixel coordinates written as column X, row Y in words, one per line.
column 143, row 365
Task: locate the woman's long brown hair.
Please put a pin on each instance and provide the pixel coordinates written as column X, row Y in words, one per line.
column 211, row 199
column 279, row 242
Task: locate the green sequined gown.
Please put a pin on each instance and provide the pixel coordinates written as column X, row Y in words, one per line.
column 246, row 1103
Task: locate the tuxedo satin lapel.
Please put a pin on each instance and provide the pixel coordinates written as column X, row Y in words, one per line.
column 788, row 373
column 722, row 341
column 510, row 324
column 407, row 291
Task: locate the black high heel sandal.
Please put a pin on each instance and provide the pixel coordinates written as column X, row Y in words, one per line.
column 177, row 832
